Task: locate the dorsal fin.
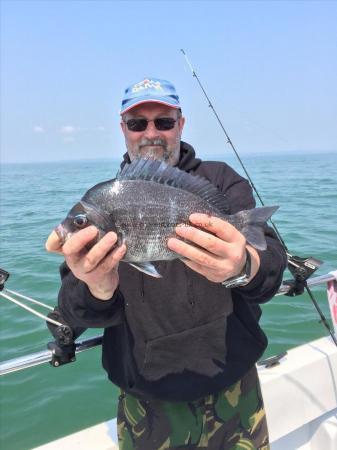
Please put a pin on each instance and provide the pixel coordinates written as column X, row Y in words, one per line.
column 162, row 173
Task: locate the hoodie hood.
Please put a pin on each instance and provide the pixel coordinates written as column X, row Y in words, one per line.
column 187, row 160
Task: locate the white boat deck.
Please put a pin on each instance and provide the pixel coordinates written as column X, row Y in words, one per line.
column 300, row 396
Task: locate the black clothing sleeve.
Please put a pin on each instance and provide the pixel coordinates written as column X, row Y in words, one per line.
column 266, row 282
column 80, row 309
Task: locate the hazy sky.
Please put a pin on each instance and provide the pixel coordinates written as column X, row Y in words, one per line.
column 270, row 69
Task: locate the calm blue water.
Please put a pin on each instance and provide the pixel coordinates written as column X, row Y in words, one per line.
column 42, row 403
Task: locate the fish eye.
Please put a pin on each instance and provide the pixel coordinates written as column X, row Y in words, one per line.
column 80, row 220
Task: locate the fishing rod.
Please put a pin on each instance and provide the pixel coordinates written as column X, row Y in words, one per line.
column 300, row 268
column 229, row 141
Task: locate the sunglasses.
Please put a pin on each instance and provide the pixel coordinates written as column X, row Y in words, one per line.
column 161, row 124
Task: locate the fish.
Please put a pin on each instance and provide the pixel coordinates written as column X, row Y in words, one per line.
column 145, row 203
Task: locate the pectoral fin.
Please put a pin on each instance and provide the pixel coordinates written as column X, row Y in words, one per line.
column 147, row 268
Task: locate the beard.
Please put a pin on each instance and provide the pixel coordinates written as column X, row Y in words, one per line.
column 159, row 151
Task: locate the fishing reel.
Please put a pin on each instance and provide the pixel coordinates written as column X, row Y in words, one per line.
column 301, row 269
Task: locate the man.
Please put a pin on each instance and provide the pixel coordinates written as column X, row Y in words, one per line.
column 182, row 348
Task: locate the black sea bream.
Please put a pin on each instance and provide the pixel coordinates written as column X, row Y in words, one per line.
column 144, row 204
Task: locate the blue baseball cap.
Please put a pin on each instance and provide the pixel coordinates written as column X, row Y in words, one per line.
column 150, row 90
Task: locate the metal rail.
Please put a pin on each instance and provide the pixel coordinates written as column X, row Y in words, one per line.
column 35, row 359
column 45, row 356
column 284, row 288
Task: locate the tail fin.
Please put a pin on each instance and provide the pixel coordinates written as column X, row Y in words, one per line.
column 251, row 222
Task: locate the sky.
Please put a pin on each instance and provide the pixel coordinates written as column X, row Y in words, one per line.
column 269, row 68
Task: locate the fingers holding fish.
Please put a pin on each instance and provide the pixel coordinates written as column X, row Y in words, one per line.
column 97, row 267
column 203, row 270
column 192, row 253
column 221, row 228
column 219, row 256
column 99, row 251
column 212, row 238
column 84, row 261
column 76, row 244
column 103, row 280
column 213, row 267
column 218, row 237
column 53, row 243
column 112, row 259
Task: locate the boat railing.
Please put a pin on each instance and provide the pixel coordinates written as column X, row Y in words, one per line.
column 45, row 356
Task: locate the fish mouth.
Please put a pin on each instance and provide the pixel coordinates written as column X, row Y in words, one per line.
column 62, row 233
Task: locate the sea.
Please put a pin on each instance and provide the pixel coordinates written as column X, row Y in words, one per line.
column 43, row 403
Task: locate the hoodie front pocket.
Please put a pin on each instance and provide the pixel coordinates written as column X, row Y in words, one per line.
column 201, row 350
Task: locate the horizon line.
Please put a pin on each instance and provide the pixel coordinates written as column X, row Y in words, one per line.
column 200, row 154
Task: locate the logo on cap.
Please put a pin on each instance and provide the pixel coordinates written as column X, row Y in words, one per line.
column 146, row 84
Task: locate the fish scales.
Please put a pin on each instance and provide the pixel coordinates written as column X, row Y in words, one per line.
column 144, row 214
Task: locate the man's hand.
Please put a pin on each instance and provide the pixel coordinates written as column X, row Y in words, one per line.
column 97, row 267
column 221, row 255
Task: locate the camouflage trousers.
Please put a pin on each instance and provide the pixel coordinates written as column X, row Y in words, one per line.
column 233, row 419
